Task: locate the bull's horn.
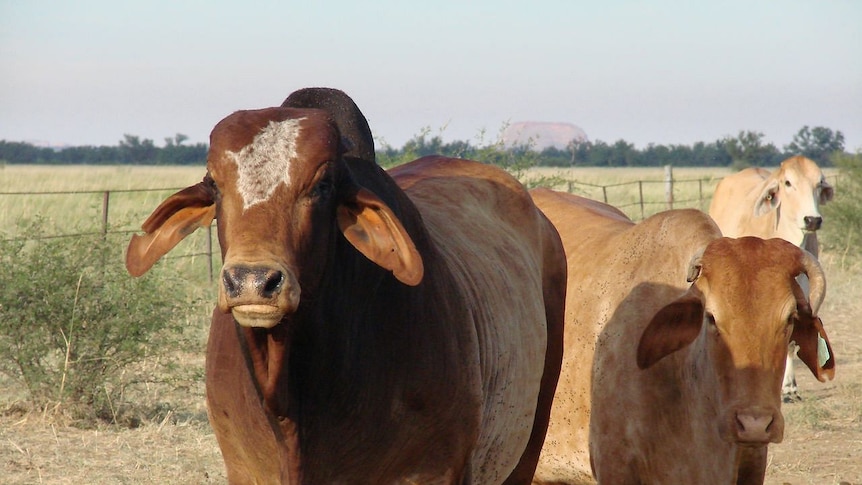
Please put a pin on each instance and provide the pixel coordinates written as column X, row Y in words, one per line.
column 816, row 280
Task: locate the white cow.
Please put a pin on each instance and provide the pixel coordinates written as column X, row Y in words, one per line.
column 784, row 204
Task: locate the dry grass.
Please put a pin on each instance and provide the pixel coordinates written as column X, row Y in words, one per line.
column 165, row 438
column 36, row 450
column 823, row 436
column 173, row 443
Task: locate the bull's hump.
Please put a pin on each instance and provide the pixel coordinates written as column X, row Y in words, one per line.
column 265, row 163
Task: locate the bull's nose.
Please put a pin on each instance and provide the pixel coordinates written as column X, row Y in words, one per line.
column 812, row 223
column 251, row 281
column 758, row 425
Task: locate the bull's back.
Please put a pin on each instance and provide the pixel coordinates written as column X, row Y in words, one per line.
column 651, row 269
column 588, row 230
column 493, row 240
column 608, row 257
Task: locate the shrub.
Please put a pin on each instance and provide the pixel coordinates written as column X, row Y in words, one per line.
column 75, row 328
column 842, row 225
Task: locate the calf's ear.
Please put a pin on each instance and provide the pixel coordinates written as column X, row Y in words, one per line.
column 174, row 219
column 672, row 328
column 814, row 347
column 374, row 230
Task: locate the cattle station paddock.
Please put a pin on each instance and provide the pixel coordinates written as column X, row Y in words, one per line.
column 174, row 444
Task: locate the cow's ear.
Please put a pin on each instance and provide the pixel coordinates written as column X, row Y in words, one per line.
column 814, row 347
column 374, row 230
column 768, row 199
column 826, row 192
column 672, row 328
column 174, row 219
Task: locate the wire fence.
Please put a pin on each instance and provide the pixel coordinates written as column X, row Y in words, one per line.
column 120, row 212
column 94, row 213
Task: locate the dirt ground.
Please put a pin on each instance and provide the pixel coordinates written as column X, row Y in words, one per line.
column 823, row 435
column 822, row 444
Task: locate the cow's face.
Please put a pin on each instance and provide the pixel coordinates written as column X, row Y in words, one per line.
column 743, row 309
column 795, row 191
column 282, row 194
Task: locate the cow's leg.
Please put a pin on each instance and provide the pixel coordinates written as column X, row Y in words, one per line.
column 789, row 391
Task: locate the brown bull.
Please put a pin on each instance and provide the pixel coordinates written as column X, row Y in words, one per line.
column 371, row 327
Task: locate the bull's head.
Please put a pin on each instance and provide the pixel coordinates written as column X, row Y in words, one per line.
column 740, row 313
column 281, row 193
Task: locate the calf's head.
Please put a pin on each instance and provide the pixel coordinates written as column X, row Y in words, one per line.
column 738, row 316
column 281, row 193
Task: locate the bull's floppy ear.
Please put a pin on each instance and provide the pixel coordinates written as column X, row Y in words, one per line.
column 814, row 347
column 768, row 199
column 374, row 230
column 672, row 328
column 174, row 219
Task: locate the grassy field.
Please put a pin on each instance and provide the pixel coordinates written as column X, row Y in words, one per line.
column 171, row 441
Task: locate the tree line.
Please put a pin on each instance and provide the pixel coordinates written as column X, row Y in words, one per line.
column 748, row 148
column 131, row 150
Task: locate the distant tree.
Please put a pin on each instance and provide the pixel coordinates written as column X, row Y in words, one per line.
column 654, row 155
column 137, row 152
column 554, row 157
column 175, row 153
column 19, row 152
column 599, row 154
column 710, row 155
column 818, row 143
column 581, row 153
column 748, row 149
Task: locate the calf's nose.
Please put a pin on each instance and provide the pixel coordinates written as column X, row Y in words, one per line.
column 758, row 425
column 812, row 223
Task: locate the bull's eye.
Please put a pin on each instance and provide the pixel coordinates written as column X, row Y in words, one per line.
column 787, row 183
column 211, row 187
column 323, row 189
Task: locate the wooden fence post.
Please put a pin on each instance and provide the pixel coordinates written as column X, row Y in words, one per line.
column 106, row 197
column 641, row 197
column 668, row 186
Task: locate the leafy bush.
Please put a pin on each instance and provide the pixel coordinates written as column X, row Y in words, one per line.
column 76, row 329
column 842, row 227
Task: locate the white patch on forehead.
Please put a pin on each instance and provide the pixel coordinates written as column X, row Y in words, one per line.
column 264, row 163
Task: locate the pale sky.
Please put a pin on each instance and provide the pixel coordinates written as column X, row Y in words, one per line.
column 664, row 71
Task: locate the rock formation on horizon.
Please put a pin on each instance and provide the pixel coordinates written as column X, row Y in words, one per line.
column 540, row 135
